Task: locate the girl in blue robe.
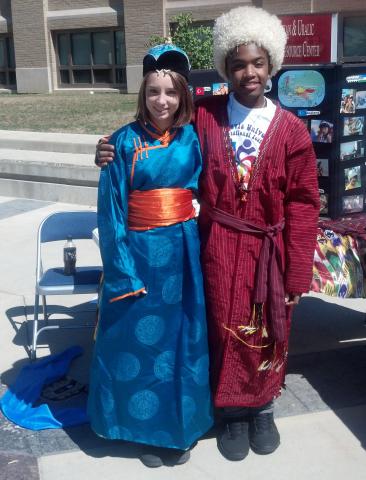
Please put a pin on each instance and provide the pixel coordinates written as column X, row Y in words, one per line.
column 150, row 373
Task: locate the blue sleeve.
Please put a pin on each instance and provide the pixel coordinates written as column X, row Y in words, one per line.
column 120, row 276
column 196, row 157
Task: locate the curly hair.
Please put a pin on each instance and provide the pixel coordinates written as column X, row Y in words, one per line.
column 244, row 25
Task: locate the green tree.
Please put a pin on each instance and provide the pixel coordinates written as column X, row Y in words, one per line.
column 195, row 40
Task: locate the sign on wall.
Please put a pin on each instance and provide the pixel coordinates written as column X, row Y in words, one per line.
column 309, row 39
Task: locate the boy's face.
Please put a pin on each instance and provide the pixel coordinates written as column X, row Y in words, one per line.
column 248, row 69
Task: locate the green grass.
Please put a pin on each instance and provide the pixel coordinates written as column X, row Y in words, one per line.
column 74, row 112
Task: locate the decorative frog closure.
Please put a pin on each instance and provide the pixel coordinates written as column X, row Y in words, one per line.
column 141, row 148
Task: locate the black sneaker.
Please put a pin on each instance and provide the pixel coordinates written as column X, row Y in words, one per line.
column 233, row 441
column 152, row 456
column 263, row 434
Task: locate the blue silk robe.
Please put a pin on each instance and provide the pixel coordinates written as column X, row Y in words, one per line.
column 149, row 376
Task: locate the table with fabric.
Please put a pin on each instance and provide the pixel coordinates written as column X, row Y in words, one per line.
column 339, row 268
column 339, row 261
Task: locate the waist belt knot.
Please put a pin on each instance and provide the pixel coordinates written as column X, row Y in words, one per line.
column 268, row 286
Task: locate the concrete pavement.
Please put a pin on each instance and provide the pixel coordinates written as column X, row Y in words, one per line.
column 321, row 414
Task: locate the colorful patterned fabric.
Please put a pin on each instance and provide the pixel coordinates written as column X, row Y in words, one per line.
column 149, row 375
column 339, row 260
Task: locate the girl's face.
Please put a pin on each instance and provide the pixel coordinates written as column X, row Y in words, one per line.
column 162, row 99
column 248, row 68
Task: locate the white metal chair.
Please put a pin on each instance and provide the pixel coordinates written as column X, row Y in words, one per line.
column 58, row 226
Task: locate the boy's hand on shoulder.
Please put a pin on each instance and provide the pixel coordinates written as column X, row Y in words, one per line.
column 104, row 153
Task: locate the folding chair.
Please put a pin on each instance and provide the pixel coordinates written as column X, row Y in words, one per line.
column 58, row 226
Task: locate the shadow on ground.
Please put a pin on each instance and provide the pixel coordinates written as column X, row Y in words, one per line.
column 326, row 370
column 327, row 362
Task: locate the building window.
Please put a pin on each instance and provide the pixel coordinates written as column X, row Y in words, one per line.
column 7, row 62
column 353, row 31
column 91, row 58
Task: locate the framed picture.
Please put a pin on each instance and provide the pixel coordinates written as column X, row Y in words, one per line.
column 360, row 99
column 220, row 88
column 352, row 203
column 301, row 88
column 323, row 202
column 321, row 131
column 322, row 166
column 352, row 177
column 353, row 126
column 352, row 150
column 348, row 104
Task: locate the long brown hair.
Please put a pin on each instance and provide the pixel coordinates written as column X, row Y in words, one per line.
column 184, row 113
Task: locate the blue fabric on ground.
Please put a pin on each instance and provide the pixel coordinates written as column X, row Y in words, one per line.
column 17, row 403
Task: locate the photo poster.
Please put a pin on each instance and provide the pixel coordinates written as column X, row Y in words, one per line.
column 204, row 83
column 353, row 126
column 330, row 100
column 351, row 157
column 309, row 92
column 324, row 207
column 352, row 178
column 321, row 131
column 322, row 166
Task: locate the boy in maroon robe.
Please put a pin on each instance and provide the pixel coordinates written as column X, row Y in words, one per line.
column 259, row 209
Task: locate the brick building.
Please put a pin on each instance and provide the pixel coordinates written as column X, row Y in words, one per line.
column 52, row 44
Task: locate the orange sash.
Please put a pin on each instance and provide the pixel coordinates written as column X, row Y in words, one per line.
column 149, row 209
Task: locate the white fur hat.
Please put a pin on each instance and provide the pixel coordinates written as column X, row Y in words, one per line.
column 243, row 25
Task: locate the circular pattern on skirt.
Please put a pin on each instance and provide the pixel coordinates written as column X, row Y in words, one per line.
column 164, row 366
column 127, row 367
column 172, row 289
column 189, row 409
column 200, row 375
column 196, row 330
column 149, row 329
column 143, row 405
column 118, row 432
column 162, row 438
column 160, row 251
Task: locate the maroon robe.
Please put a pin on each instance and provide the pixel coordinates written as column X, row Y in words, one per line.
column 248, row 369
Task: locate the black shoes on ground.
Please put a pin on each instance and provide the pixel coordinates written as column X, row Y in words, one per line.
column 259, row 431
column 154, row 457
column 263, row 434
column 232, row 441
